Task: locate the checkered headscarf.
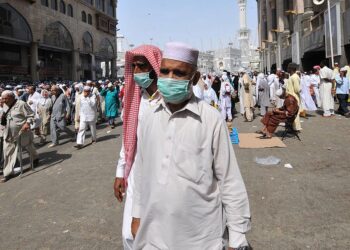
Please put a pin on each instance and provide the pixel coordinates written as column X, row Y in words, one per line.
column 132, row 100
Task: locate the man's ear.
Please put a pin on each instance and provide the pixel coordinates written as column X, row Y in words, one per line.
column 196, row 78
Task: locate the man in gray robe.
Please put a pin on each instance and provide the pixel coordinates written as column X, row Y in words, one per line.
column 17, row 118
column 60, row 112
column 264, row 94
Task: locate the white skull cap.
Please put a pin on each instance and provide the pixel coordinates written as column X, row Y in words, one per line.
column 181, row 52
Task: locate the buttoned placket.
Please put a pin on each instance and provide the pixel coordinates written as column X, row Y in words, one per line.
column 168, row 148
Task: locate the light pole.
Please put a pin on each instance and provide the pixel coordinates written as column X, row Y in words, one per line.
column 319, row 2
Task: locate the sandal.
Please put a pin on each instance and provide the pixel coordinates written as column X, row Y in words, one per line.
column 259, row 132
column 4, row 179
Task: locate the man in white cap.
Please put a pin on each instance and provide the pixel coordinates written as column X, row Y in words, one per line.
column 87, row 116
column 182, row 186
column 111, row 96
column 226, row 90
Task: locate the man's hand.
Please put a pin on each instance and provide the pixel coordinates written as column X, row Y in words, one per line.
column 119, row 189
column 135, row 226
column 25, row 127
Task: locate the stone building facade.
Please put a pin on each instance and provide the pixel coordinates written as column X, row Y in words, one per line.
column 294, row 30
column 57, row 39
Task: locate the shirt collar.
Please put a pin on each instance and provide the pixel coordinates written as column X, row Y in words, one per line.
column 191, row 106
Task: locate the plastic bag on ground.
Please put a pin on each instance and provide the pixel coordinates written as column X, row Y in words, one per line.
column 271, row 160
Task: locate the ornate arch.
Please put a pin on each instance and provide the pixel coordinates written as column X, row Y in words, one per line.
column 57, row 35
column 88, row 44
column 13, row 24
column 106, row 50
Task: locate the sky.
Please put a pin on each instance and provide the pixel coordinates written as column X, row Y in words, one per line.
column 204, row 24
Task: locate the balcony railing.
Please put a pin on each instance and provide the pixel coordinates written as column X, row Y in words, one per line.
column 314, row 39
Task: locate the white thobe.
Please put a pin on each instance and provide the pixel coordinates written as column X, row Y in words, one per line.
column 186, row 176
column 146, row 104
column 225, row 100
column 315, row 82
column 33, row 101
column 198, row 92
column 210, row 96
column 88, row 115
column 327, row 98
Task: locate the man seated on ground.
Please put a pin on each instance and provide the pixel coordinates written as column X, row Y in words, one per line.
column 288, row 111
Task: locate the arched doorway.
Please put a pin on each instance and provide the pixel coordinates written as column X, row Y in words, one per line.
column 86, row 57
column 15, row 40
column 55, row 53
column 105, row 57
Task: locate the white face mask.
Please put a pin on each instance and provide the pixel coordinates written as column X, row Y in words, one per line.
column 224, row 77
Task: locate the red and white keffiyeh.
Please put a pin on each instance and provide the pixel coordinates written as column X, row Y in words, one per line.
column 132, row 100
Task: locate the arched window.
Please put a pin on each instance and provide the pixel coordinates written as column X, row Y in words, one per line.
column 70, row 10
column 58, row 35
column 87, row 43
column 54, row 4
column 62, row 7
column 45, row 3
column 89, row 19
column 13, row 24
column 83, row 16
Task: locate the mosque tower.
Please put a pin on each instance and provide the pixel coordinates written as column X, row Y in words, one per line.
column 244, row 33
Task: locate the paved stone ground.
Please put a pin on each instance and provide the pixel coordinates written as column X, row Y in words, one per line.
column 68, row 202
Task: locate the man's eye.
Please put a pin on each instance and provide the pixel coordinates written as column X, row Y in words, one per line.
column 164, row 71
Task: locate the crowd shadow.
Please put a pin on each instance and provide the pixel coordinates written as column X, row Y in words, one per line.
column 47, row 160
column 107, row 137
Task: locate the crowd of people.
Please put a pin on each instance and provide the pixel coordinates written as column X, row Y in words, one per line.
column 316, row 90
column 45, row 110
column 177, row 165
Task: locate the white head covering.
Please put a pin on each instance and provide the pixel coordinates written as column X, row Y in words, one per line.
column 279, row 92
column 87, row 88
column 261, row 76
column 88, row 82
column 99, row 81
column 110, row 85
column 181, row 52
column 343, row 69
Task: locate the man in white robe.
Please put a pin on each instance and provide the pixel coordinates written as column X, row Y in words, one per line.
column 182, row 186
column 141, row 73
column 225, row 98
column 326, row 90
column 87, row 116
column 315, row 81
column 210, row 95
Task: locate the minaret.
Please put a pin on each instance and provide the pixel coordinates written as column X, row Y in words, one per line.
column 244, row 33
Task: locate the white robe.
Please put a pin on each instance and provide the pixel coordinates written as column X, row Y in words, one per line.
column 327, row 98
column 315, row 82
column 210, row 96
column 145, row 105
column 183, row 185
column 307, row 103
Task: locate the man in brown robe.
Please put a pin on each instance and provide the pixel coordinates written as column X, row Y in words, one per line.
column 288, row 111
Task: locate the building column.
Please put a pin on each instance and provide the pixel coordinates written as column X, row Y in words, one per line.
column 269, row 21
column 93, row 67
column 76, row 64
column 107, row 68
column 34, row 58
column 113, row 68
